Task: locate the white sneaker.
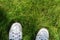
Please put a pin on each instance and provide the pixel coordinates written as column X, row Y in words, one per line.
column 43, row 34
column 15, row 32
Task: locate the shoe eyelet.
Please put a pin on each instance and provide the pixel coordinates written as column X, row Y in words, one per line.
column 11, row 39
column 41, row 39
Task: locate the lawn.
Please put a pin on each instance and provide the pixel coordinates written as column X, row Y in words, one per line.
column 33, row 15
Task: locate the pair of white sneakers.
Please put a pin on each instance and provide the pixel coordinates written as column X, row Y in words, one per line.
column 15, row 33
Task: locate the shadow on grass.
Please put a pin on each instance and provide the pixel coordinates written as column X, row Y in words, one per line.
column 3, row 22
column 3, row 17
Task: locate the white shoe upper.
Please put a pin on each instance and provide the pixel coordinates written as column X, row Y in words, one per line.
column 15, row 32
column 42, row 34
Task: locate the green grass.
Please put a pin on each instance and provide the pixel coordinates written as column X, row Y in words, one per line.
column 33, row 15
